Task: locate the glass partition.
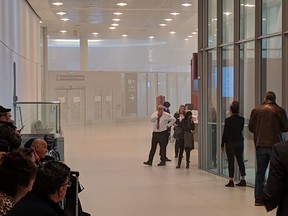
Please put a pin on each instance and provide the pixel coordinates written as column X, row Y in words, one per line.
column 247, row 19
column 212, row 102
column 38, row 117
column 227, row 21
column 271, row 16
column 212, row 23
column 247, row 103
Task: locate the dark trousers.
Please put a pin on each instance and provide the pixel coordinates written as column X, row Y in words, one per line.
column 161, row 138
column 177, row 147
column 181, row 150
column 235, row 149
column 263, row 155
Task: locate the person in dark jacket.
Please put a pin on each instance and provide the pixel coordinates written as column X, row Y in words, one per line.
column 179, row 116
column 49, row 189
column 10, row 138
column 276, row 188
column 186, row 138
column 267, row 123
column 17, row 175
column 232, row 140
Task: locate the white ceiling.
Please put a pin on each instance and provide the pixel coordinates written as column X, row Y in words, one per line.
column 140, row 19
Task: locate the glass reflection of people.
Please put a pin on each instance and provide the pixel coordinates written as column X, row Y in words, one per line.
column 179, row 116
column 232, row 140
column 213, row 120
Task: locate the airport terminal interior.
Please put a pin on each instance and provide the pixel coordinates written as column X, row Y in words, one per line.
column 91, row 72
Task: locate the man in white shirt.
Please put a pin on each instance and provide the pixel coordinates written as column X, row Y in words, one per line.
column 161, row 121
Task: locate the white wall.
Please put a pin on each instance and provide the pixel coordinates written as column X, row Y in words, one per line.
column 20, row 43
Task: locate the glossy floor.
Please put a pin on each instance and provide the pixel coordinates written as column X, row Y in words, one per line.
column 110, row 160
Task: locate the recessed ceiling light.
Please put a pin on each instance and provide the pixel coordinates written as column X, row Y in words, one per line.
column 114, row 24
column 57, row 3
column 64, row 19
column 249, row 5
column 186, row 39
column 163, row 24
column 121, row 4
column 168, row 19
column 186, row 4
column 190, row 36
column 174, row 13
column 172, row 32
column 124, row 35
column 95, row 33
column 61, row 13
column 151, row 37
column 111, row 27
column 227, row 13
column 40, row 21
column 63, row 31
column 194, row 33
column 118, row 13
column 116, row 19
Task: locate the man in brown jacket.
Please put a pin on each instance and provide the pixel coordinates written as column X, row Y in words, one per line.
column 267, row 123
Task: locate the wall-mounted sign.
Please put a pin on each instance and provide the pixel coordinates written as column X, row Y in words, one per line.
column 70, row 77
column 131, row 93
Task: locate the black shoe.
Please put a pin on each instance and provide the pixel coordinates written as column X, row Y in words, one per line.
column 259, row 202
column 147, row 163
column 230, row 184
column 178, row 166
column 176, row 156
column 167, row 159
column 187, row 166
column 242, row 183
column 161, row 164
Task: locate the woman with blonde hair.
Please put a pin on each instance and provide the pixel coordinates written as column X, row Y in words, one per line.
column 179, row 116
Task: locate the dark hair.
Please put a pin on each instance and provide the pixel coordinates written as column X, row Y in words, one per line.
column 166, row 104
column 234, row 107
column 187, row 114
column 51, row 176
column 16, row 169
column 270, row 96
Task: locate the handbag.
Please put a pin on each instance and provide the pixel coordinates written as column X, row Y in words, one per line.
column 177, row 132
column 188, row 140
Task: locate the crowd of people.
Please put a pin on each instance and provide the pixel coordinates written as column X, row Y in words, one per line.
column 268, row 123
column 31, row 182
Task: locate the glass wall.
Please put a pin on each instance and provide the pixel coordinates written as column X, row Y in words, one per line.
column 271, row 64
column 212, row 23
column 247, row 19
column 212, row 100
column 227, row 21
column 245, row 61
column 271, row 16
column 227, row 92
column 247, row 96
